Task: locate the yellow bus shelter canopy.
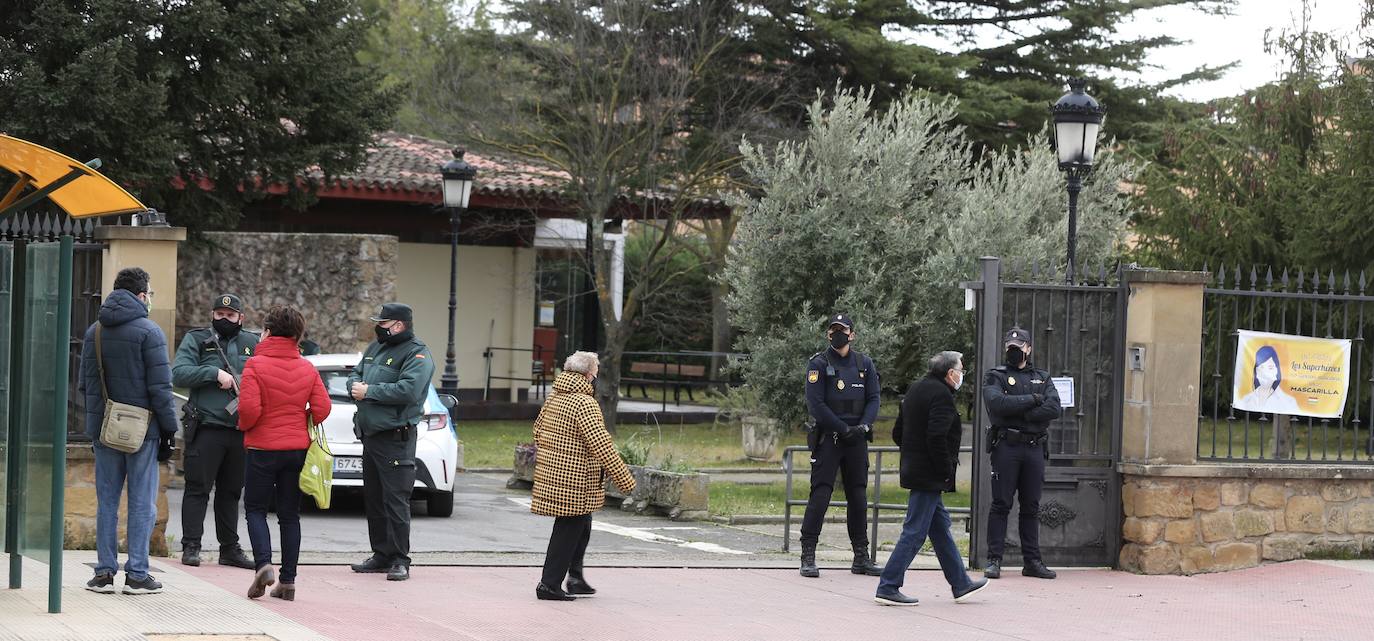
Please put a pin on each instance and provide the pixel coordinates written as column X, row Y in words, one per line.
column 87, row 194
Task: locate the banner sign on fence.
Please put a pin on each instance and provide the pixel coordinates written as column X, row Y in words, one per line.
column 1294, row 375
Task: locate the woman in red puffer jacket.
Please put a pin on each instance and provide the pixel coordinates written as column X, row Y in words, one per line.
column 279, row 388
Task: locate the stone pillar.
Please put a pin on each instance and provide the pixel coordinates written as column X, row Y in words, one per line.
column 155, row 250
column 1163, row 367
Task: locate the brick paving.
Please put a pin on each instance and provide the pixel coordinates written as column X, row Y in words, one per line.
column 1305, row 600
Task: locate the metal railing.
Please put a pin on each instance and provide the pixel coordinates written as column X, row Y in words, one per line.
column 873, row 504
column 1323, row 306
column 539, row 376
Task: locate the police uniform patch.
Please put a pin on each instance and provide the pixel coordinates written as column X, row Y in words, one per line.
column 861, row 374
column 224, row 301
column 839, row 384
column 813, row 376
column 1036, row 381
column 1011, row 380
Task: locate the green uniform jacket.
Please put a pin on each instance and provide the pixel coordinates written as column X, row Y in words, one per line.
column 197, row 367
column 397, row 377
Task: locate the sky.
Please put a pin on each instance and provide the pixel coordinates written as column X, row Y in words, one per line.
column 1239, row 37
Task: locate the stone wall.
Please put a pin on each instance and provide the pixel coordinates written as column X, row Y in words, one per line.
column 336, row 280
column 1181, row 525
column 80, row 505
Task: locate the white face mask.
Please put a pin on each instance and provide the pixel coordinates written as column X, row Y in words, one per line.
column 960, row 383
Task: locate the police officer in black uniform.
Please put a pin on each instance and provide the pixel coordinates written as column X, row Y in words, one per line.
column 209, row 363
column 1021, row 402
column 390, row 385
column 842, row 396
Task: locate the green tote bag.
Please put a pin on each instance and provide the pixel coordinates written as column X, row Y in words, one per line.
column 317, row 475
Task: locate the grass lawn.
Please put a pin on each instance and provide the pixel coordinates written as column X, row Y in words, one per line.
column 703, row 445
column 1258, row 439
column 492, row 443
column 735, row 498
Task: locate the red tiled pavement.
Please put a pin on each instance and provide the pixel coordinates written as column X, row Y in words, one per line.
column 1286, row 602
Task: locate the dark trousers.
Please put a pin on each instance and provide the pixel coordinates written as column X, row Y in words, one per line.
column 388, row 480
column 567, row 547
column 274, row 474
column 1017, row 470
column 850, row 460
column 215, row 460
column 926, row 516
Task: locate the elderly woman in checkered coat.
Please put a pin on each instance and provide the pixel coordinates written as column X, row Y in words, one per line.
column 575, row 455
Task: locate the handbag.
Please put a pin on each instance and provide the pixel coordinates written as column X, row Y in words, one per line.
column 124, row 426
column 317, row 475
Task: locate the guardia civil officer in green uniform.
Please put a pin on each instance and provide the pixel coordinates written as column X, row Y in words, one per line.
column 209, row 363
column 390, row 385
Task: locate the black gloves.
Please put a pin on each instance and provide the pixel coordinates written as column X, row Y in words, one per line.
column 165, row 447
column 1039, row 399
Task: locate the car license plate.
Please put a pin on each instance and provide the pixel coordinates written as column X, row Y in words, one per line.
column 348, row 464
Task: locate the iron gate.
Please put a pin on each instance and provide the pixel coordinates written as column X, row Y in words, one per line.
column 1078, row 331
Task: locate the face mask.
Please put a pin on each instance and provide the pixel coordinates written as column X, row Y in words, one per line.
column 148, row 303
column 839, row 339
column 226, row 328
column 960, row 383
column 382, row 333
column 1015, row 356
column 1266, row 376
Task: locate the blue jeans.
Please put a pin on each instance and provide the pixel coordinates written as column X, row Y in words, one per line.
column 925, row 515
column 112, row 469
column 274, row 474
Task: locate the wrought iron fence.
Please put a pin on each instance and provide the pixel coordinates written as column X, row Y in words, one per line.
column 1305, row 304
column 87, row 276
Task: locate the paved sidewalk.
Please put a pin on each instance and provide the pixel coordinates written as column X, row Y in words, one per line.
column 1303, row 600
column 188, row 608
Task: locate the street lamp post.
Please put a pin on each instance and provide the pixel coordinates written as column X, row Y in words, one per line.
column 458, row 178
column 1077, row 119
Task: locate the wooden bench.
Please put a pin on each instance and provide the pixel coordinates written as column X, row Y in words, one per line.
column 669, row 373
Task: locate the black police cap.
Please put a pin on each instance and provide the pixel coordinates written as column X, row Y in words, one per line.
column 841, row 319
column 1016, row 334
column 395, row 311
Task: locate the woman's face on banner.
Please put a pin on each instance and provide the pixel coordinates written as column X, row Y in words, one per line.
column 1267, row 372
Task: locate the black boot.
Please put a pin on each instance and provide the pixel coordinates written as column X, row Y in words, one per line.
column 808, row 561
column 862, row 564
column 578, row 586
column 993, row 569
column 1037, row 569
column 190, row 554
column 232, row 555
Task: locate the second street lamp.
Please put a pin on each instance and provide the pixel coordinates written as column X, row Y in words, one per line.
column 1077, row 120
column 458, row 179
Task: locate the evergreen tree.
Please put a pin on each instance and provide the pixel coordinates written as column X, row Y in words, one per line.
column 179, row 97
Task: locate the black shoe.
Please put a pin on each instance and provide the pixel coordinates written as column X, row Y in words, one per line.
column 894, row 597
column 190, row 554
column 973, row 588
column 373, row 565
column 546, row 593
column 808, row 561
column 233, row 556
column 577, row 586
column 148, row 585
column 102, row 583
column 994, row 569
column 1037, row 570
column 862, row 564
column 398, row 572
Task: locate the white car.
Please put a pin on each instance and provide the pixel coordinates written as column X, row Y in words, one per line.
column 436, row 451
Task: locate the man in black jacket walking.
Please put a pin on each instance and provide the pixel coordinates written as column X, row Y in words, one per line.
column 1021, row 402
column 928, row 432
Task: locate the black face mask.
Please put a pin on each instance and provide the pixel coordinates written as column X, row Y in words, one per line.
column 225, row 327
column 839, row 340
column 382, row 333
column 1015, row 357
